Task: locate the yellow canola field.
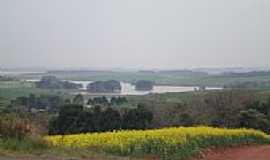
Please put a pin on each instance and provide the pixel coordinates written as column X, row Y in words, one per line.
column 183, row 140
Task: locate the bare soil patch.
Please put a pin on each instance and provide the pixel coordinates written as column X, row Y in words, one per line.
column 254, row 152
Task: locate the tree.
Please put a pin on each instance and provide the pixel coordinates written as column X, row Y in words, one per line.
column 118, row 100
column 97, row 113
column 104, row 100
column 254, row 119
column 185, row 119
column 99, row 101
column 68, row 120
column 113, row 101
column 2, row 104
column 110, row 120
column 123, row 99
column 49, row 103
column 256, row 115
column 78, row 99
column 67, row 101
column 90, row 101
column 54, row 103
column 224, row 107
column 262, row 107
column 32, row 102
column 22, row 101
column 87, row 122
column 76, row 119
column 138, row 118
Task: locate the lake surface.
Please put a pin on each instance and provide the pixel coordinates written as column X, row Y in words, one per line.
column 129, row 89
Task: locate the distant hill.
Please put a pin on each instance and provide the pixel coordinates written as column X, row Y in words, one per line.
column 220, row 71
column 253, row 73
column 183, row 72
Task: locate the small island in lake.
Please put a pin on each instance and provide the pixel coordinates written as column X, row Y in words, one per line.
column 110, row 86
column 144, row 85
column 51, row 82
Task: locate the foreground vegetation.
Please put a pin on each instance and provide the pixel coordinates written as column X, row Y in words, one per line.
column 23, row 134
column 168, row 143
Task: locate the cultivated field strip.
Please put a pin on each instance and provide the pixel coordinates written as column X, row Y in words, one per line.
column 167, row 143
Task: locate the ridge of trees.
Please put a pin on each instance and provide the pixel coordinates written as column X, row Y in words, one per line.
column 77, row 119
column 227, row 108
column 105, row 101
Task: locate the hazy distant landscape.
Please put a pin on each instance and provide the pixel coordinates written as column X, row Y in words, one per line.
column 134, row 80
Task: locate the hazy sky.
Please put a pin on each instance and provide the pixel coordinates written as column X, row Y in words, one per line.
column 135, row 33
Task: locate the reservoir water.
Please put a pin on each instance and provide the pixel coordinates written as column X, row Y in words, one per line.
column 129, row 89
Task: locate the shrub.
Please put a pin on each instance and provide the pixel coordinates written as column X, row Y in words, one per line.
column 20, row 133
column 16, row 126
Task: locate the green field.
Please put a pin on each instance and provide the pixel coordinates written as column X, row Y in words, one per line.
column 12, row 89
column 15, row 84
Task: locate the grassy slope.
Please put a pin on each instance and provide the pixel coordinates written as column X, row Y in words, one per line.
column 15, row 84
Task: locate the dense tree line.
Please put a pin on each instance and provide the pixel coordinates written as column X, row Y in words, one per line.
column 105, row 101
column 228, row 108
column 49, row 103
column 248, row 85
column 237, row 109
column 78, row 99
column 77, row 119
column 247, row 74
column 5, row 78
column 256, row 115
column 2, row 103
column 118, row 100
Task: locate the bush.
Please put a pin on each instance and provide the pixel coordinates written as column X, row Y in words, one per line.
column 16, row 126
column 24, row 144
column 20, row 133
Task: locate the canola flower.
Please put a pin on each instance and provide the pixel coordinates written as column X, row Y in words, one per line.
column 168, row 143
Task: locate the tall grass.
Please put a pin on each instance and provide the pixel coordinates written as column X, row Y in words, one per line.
column 169, row 143
column 25, row 145
column 19, row 133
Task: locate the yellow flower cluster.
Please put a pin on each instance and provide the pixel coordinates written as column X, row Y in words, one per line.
column 159, row 141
